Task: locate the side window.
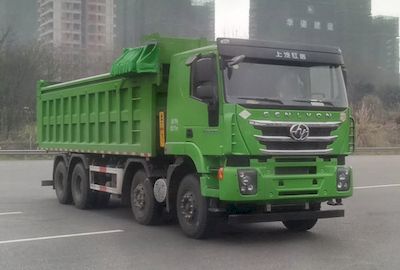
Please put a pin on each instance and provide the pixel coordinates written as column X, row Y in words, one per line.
column 204, row 79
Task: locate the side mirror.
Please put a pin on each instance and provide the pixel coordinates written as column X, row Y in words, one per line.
column 204, row 85
column 344, row 70
column 204, row 70
column 204, row 79
column 236, row 60
column 205, row 92
column 191, row 59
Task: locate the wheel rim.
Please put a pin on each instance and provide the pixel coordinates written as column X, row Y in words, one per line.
column 139, row 197
column 188, row 207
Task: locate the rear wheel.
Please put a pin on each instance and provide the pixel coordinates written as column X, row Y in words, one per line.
column 192, row 211
column 145, row 208
column 82, row 196
column 61, row 183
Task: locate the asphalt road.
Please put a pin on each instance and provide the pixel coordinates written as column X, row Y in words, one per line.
column 38, row 233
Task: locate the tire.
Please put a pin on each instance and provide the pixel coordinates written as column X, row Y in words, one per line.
column 192, row 209
column 61, row 183
column 82, row 196
column 303, row 225
column 300, row 225
column 145, row 208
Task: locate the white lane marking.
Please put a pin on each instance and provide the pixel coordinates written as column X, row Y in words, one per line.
column 10, row 213
column 378, row 186
column 58, row 236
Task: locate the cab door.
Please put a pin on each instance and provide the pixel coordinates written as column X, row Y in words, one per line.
column 194, row 105
column 204, row 127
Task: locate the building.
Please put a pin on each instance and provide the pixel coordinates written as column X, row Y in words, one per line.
column 385, row 47
column 76, row 25
column 21, row 17
column 178, row 18
column 369, row 44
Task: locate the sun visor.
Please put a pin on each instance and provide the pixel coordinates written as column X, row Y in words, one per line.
column 297, row 54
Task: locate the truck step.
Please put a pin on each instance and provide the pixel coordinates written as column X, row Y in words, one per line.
column 47, row 183
column 118, row 173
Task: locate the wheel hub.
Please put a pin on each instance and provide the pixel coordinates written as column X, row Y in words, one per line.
column 188, row 206
column 139, row 197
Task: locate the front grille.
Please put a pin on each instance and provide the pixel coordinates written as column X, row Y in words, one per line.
column 277, row 138
column 296, row 145
column 299, row 192
column 295, row 170
column 297, row 159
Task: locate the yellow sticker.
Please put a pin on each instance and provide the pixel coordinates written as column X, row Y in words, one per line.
column 162, row 129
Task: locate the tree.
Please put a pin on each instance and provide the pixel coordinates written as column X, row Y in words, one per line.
column 359, row 90
column 390, row 95
column 22, row 65
column 4, row 37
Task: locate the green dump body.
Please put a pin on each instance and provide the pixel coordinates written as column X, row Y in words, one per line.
column 111, row 113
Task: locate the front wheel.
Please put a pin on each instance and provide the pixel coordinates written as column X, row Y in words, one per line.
column 192, row 210
column 300, row 225
column 305, row 224
column 145, row 208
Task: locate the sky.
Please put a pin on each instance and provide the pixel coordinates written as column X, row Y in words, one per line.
column 231, row 18
column 386, row 7
column 232, row 15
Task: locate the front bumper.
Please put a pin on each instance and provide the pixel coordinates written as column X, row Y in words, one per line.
column 285, row 216
column 279, row 182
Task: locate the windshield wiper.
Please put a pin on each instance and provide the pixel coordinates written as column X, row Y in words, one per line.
column 325, row 102
column 262, row 99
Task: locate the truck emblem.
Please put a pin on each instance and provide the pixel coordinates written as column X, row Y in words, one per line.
column 299, row 132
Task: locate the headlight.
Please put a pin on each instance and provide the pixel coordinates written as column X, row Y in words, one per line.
column 343, row 176
column 247, row 182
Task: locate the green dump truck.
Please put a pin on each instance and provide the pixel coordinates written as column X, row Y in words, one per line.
column 234, row 131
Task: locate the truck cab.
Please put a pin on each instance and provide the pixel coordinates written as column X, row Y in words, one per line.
column 266, row 125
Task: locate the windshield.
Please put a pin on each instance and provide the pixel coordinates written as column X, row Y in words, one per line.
column 272, row 84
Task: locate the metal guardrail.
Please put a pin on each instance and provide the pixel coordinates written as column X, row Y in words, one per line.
column 380, row 150
column 359, row 150
column 25, row 152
